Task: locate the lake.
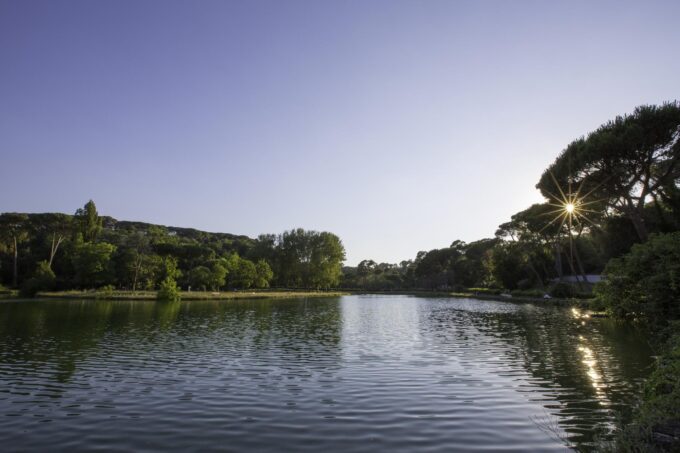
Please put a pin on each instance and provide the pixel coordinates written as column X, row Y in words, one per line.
column 351, row 374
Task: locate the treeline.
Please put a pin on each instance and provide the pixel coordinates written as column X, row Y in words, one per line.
column 56, row 251
column 604, row 193
column 520, row 257
column 459, row 266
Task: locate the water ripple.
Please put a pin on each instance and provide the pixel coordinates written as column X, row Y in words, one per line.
column 348, row 374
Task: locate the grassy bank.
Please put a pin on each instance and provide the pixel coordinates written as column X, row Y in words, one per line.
column 7, row 294
column 193, row 295
column 281, row 294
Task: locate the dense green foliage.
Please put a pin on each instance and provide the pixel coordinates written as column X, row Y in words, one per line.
column 92, row 264
column 43, row 280
column 656, row 425
column 301, row 259
column 88, row 221
column 168, row 291
column 645, row 283
column 86, row 251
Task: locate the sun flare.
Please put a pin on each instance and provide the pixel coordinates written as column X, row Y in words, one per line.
column 571, row 208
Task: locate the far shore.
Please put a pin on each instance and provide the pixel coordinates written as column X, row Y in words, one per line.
column 186, row 295
column 581, row 303
column 287, row 294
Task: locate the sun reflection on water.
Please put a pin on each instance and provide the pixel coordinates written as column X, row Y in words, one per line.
column 589, row 360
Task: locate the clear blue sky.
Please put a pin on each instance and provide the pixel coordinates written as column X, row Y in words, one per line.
column 398, row 125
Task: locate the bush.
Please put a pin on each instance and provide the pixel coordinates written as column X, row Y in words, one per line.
column 659, row 413
column 43, row 280
column 525, row 284
column 645, row 283
column 562, row 290
column 105, row 291
column 168, row 292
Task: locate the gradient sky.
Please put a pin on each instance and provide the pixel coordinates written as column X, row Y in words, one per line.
column 398, row 125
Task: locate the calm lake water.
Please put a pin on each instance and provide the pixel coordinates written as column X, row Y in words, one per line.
column 355, row 373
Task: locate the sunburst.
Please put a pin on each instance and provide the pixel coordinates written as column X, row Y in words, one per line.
column 572, row 208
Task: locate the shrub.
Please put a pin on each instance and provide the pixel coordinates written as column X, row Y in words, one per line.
column 525, row 284
column 562, row 290
column 43, row 280
column 659, row 413
column 105, row 291
column 645, row 283
column 168, row 291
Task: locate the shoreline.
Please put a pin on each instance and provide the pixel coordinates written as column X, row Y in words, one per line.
column 185, row 295
column 580, row 303
column 287, row 294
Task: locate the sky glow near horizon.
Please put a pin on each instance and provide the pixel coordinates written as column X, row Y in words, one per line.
column 398, row 125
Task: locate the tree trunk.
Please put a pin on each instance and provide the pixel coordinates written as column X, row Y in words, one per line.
column 579, row 262
column 536, row 274
column 575, row 274
column 134, row 281
column 15, row 275
column 558, row 261
column 53, row 250
column 532, row 268
column 581, row 270
column 49, row 263
column 635, row 216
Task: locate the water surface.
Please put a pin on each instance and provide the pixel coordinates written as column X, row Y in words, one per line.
column 355, row 373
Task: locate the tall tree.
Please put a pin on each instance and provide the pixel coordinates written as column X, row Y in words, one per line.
column 326, row 256
column 626, row 163
column 308, row 259
column 137, row 250
column 199, row 278
column 218, row 274
column 264, row 274
column 93, row 265
column 13, row 231
column 506, row 264
column 244, row 275
column 89, row 221
column 532, row 230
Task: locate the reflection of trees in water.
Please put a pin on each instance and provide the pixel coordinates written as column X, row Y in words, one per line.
column 40, row 339
column 50, row 338
column 589, row 369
